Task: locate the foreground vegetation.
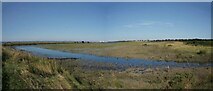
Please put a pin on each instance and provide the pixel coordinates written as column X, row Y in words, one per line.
column 179, row 51
column 23, row 70
column 142, row 78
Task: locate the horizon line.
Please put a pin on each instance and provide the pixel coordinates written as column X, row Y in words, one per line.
column 108, row 40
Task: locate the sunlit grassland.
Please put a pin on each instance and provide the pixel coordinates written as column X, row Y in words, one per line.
column 23, row 70
column 167, row 50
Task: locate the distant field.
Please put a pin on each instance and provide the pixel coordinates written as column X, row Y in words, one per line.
column 186, row 51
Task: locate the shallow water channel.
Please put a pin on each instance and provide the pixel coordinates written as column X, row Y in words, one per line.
column 38, row 51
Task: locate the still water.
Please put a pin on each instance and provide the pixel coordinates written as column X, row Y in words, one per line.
column 35, row 50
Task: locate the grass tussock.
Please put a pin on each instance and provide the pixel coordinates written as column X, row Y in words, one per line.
column 22, row 70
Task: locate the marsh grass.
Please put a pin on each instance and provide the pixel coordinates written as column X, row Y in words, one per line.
column 22, row 70
column 167, row 51
column 140, row 78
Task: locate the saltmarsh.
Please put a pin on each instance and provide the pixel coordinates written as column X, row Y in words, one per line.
column 166, row 50
column 23, row 70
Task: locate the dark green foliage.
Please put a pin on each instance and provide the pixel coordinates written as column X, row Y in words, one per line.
column 169, row 45
column 32, row 43
column 180, row 80
column 199, row 42
column 200, row 52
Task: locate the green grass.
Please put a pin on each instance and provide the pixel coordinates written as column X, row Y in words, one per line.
column 168, row 51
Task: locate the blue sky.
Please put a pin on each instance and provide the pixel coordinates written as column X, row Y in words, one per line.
column 105, row 21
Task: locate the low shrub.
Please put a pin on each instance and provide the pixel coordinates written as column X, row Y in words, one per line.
column 200, row 52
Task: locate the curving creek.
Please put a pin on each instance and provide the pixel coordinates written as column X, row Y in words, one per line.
column 42, row 52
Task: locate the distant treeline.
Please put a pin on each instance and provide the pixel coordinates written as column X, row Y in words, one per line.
column 195, row 42
column 39, row 43
column 29, row 43
column 199, row 42
column 175, row 40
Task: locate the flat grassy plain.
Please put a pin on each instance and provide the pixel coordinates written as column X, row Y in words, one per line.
column 23, row 70
column 167, row 50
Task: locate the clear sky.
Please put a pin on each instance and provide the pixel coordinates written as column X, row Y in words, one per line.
column 105, row 21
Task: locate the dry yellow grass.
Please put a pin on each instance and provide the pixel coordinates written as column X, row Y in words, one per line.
column 24, row 71
column 168, row 51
